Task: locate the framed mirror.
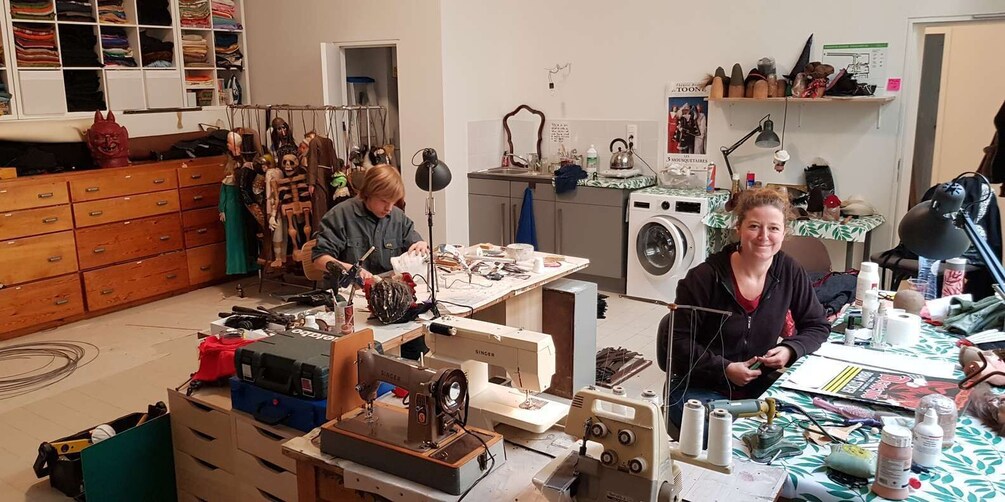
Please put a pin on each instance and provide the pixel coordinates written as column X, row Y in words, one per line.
column 524, row 129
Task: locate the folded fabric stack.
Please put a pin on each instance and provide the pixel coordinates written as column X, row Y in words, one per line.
column 225, row 15
column 153, row 12
column 194, row 13
column 75, row 10
column 83, row 91
column 32, row 9
column 78, row 42
column 195, row 50
column 198, row 80
column 115, row 46
column 156, row 53
column 1, row 54
column 112, row 11
column 35, row 46
column 228, row 52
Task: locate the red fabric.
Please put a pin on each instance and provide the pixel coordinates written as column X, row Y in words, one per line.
column 789, row 329
column 216, row 358
column 748, row 305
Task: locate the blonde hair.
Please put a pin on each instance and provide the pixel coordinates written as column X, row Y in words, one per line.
column 759, row 197
column 383, row 182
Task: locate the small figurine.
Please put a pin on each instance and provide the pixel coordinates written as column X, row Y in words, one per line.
column 108, row 141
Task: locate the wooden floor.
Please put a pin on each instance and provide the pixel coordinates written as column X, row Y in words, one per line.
column 145, row 349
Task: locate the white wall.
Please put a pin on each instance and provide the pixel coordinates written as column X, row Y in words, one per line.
column 495, row 55
column 284, row 46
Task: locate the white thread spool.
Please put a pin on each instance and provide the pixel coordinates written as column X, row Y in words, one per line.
column 720, row 438
column 101, row 433
column 692, row 428
column 902, row 329
column 538, row 265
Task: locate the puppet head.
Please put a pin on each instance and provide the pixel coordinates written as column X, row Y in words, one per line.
column 108, row 141
column 288, row 160
column 281, row 133
column 234, row 142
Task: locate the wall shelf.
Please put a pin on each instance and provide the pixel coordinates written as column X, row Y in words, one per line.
column 874, row 100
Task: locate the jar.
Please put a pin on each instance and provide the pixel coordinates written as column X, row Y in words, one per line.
column 893, row 465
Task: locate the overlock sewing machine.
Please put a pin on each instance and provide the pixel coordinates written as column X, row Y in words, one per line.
column 428, row 442
column 527, row 356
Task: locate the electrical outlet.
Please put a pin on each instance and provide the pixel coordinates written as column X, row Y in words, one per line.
column 632, row 135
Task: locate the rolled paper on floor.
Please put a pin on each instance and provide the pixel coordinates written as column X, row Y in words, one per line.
column 902, row 329
column 720, row 438
column 692, row 428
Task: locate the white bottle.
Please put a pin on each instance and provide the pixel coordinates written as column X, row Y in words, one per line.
column 868, row 278
column 928, row 440
column 592, row 160
column 870, row 307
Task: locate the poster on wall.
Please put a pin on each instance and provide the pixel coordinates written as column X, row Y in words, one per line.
column 865, row 62
column 687, row 125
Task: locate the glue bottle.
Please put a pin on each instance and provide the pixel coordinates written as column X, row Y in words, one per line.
column 868, row 278
column 592, row 160
column 928, row 440
column 893, row 466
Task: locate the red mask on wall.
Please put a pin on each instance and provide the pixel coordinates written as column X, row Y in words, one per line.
column 108, row 141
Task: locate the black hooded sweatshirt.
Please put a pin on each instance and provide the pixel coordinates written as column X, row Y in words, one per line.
column 786, row 288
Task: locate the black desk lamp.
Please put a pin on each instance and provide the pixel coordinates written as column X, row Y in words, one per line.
column 939, row 229
column 432, row 175
column 766, row 139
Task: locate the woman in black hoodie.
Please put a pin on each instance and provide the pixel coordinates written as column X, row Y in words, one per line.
column 776, row 318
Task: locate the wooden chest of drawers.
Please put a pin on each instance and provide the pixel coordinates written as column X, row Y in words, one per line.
column 124, row 208
column 43, row 220
column 127, row 240
column 118, row 184
column 117, row 284
column 47, row 300
column 30, row 258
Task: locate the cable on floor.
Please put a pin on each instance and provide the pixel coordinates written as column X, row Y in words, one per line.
column 57, row 360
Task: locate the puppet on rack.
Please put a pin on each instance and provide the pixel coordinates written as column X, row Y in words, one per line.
column 293, row 200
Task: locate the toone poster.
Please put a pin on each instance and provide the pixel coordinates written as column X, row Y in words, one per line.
column 687, row 125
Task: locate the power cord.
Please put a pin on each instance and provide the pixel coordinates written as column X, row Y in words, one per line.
column 71, row 354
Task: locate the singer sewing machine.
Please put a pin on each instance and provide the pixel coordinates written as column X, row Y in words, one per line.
column 623, row 457
column 527, row 356
column 428, row 442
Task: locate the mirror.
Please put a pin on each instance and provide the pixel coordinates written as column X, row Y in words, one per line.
column 524, row 129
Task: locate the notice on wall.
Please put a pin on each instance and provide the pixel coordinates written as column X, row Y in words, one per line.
column 865, row 62
column 558, row 132
column 686, row 108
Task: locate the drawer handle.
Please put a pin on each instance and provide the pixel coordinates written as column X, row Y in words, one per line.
column 46, row 195
column 54, row 259
column 269, row 465
column 107, row 291
column 268, row 496
column 204, row 268
column 206, row 464
column 198, row 197
column 200, row 407
column 62, row 301
column 165, row 237
column 99, row 250
column 158, row 181
column 162, row 203
column 96, row 213
column 202, row 230
column 269, row 434
column 171, row 276
column 92, row 189
column 202, row 435
column 196, row 176
column 51, row 219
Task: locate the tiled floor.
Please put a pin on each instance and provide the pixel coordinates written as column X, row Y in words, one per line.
column 146, row 349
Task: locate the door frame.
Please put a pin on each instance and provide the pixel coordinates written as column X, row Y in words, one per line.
column 333, row 58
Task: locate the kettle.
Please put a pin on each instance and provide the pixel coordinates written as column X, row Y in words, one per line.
column 622, row 159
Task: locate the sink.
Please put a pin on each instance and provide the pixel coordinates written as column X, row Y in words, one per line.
column 511, row 170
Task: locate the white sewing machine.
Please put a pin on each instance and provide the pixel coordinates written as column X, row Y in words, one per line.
column 527, row 356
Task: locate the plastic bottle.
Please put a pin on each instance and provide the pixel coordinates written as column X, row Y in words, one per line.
column 879, row 327
column 868, row 278
column 592, row 160
column 870, row 307
column 893, row 466
column 928, row 273
column 952, row 278
column 928, row 440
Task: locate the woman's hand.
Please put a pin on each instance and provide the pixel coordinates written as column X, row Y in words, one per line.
column 740, row 373
column 420, row 247
column 777, row 357
column 364, row 274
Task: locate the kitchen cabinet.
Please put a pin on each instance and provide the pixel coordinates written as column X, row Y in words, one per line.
column 489, row 219
column 595, row 232
column 494, row 211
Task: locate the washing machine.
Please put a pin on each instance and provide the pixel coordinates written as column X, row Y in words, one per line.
column 666, row 238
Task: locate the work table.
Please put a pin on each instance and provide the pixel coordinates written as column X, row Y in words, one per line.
column 511, row 174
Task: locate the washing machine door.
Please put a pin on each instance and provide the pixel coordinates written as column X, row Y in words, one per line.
column 662, row 247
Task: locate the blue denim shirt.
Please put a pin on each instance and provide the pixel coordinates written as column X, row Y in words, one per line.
column 349, row 229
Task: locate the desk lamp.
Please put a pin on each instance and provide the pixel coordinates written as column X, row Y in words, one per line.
column 432, row 175
column 941, row 228
column 766, row 139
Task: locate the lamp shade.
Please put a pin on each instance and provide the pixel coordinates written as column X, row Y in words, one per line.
column 929, row 230
column 767, row 137
column 432, row 174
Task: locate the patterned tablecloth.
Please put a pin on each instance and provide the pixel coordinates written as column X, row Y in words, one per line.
column 633, row 183
column 973, row 469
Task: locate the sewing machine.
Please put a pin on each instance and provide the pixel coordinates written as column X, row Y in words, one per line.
column 624, row 457
column 428, row 442
column 527, row 356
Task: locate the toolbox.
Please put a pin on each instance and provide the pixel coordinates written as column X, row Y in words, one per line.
column 274, row 408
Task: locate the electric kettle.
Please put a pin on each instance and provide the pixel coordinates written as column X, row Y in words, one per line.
column 622, row 159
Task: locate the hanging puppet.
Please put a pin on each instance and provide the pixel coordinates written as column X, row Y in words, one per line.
column 231, row 210
column 294, row 200
column 277, row 224
column 281, row 135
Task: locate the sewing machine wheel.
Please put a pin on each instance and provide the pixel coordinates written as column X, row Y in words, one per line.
column 451, row 390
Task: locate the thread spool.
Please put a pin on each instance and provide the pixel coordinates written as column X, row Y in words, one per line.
column 538, row 265
column 945, row 408
column 651, row 396
column 902, row 329
column 720, row 438
column 692, row 428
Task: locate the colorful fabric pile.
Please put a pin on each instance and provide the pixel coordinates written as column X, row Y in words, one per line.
column 225, row 15
column 83, row 91
column 195, row 50
column 153, row 12
column 115, row 46
column 35, row 46
column 78, row 43
column 112, row 11
column 228, row 51
column 156, row 53
column 198, row 80
column 194, row 13
column 75, row 10
column 32, row 9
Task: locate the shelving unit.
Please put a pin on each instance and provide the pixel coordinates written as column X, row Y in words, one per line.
column 877, row 101
column 43, row 92
column 9, row 111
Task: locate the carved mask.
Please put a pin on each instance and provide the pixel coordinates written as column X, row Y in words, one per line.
column 108, row 141
column 290, row 163
column 281, row 133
